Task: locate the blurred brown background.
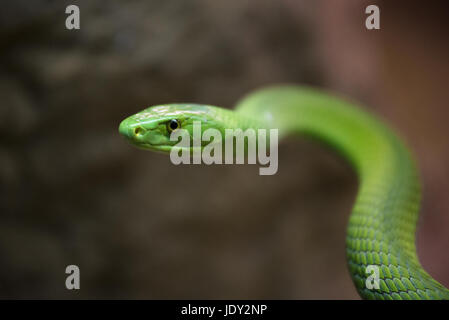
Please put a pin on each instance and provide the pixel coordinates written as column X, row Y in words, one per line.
column 72, row 191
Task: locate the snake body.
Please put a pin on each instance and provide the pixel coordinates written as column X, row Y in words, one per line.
column 382, row 225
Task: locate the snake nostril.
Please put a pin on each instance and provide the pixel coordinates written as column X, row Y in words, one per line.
column 138, row 131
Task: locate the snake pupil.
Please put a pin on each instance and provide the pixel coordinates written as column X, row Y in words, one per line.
column 174, row 124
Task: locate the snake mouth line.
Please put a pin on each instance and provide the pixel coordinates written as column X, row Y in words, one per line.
column 165, row 148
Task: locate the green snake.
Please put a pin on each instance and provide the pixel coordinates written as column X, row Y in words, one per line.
column 382, row 225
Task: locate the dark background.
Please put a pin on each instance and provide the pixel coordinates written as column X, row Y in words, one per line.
column 72, row 191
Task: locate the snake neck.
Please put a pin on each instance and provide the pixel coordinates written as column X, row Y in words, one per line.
column 382, row 225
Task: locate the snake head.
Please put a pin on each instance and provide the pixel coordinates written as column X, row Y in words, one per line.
column 152, row 127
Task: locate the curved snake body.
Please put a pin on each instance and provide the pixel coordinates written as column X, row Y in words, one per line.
column 382, row 225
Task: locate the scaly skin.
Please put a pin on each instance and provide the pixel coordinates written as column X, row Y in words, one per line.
column 381, row 228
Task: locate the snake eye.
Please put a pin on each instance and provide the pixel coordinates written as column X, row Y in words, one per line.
column 173, row 125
